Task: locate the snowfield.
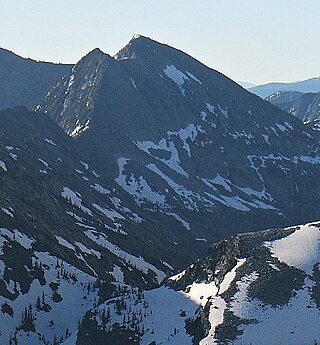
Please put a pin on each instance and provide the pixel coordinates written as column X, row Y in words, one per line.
column 300, row 249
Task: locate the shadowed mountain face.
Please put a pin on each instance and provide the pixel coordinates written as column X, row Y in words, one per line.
column 304, row 106
column 67, row 236
column 52, row 191
column 180, row 138
column 25, row 81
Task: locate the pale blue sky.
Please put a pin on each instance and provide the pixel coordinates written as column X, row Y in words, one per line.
column 251, row 40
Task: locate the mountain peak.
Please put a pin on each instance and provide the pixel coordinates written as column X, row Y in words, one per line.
column 135, row 45
column 81, row 90
column 136, row 36
column 95, row 53
column 139, row 37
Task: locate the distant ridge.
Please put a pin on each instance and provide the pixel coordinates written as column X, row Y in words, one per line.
column 246, row 84
column 265, row 90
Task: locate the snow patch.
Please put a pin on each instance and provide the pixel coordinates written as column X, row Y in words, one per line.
column 217, row 308
column 86, row 165
column 199, row 293
column 178, row 276
column 44, row 163
column 211, row 108
column 301, row 249
column 112, row 214
column 190, row 132
column 118, row 274
column 240, row 303
column 15, row 235
column 139, row 188
column 98, row 188
column 75, row 199
column 177, row 76
column 65, row 243
column 87, row 250
column 201, row 239
column 3, row 166
column 179, row 219
column 229, row 277
column 224, row 112
column 5, row 210
column 49, row 141
column 174, row 161
column 167, row 265
column 133, row 83
column 193, row 77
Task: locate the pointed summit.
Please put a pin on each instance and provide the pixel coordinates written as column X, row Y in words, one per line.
column 136, row 36
column 96, row 52
column 94, row 57
column 128, row 51
column 72, row 101
column 158, row 56
column 172, row 132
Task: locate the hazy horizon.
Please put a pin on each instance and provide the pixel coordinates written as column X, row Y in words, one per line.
column 248, row 40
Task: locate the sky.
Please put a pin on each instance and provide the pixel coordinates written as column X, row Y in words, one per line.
column 256, row 41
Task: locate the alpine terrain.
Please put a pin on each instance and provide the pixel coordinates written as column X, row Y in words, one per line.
column 305, row 106
column 124, row 174
column 254, row 288
column 26, row 81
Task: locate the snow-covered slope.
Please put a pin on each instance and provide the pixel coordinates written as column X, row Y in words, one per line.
column 42, row 298
column 254, row 288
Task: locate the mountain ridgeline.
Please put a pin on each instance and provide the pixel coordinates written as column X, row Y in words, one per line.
column 181, row 138
column 125, row 173
column 305, row 86
column 26, row 81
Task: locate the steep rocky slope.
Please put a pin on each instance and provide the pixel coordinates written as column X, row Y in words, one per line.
column 66, row 235
column 183, row 140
